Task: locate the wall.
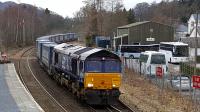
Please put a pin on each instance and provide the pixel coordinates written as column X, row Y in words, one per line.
column 161, row 33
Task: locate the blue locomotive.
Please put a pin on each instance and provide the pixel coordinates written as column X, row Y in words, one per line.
column 92, row 74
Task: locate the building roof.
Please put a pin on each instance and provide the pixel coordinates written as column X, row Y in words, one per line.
column 134, row 24
column 191, row 41
column 121, row 36
column 140, row 23
column 152, row 52
column 174, row 43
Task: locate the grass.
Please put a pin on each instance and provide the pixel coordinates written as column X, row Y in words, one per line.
column 140, row 92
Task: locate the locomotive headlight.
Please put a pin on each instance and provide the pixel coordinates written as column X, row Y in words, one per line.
column 115, row 82
column 90, row 85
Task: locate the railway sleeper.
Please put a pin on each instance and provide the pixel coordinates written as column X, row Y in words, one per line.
column 102, row 97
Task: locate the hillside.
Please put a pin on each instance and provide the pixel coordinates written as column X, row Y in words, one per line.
column 169, row 12
column 22, row 23
column 4, row 5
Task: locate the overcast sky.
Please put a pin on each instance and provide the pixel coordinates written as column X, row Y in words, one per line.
column 69, row 7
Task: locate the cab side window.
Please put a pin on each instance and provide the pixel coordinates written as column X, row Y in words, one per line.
column 56, row 58
column 81, row 66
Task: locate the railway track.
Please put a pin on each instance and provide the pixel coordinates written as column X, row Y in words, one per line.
column 119, row 107
column 26, row 53
column 59, row 99
column 19, row 72
column 44, row 87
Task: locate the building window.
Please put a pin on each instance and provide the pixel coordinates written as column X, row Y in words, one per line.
column 192, row 23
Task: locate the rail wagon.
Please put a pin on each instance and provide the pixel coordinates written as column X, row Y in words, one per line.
column 40, row 50
column 38, row 46
column 47, row 55
column 58, row 38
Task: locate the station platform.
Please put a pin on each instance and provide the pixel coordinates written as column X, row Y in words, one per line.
column 13, row 95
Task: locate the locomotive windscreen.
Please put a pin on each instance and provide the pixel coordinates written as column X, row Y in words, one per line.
column 105, row 66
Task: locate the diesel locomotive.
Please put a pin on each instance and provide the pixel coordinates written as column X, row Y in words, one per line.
column 92, row 74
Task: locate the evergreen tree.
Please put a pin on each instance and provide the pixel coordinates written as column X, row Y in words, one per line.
column 131, row 16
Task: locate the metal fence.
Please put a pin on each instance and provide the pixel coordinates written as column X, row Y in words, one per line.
column 168, row 80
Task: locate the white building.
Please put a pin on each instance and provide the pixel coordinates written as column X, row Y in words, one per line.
column 192, row 25
column 181, row 32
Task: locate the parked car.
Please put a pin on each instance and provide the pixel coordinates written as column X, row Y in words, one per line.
column 150, row 60
column 183, row 81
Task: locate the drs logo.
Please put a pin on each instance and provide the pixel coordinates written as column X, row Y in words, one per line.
column 196, row 81
column 159, row 71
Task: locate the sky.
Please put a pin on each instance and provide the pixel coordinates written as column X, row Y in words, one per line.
column 69, row 7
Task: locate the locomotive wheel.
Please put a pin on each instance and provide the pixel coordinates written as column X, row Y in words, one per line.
column 79, row 97
column 61, row 81
column 73, row 88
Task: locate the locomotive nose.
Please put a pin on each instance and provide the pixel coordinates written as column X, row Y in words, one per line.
column 103, row 80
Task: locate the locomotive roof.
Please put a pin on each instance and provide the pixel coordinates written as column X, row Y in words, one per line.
column 61, row 47
column 83, row 50
column 71, row 50
column 68, row 48
column 88, row 53
column 76, row 50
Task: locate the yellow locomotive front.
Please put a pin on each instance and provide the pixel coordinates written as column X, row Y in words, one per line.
column 102, row 79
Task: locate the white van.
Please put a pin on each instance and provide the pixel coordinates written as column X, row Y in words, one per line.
column 149, row 60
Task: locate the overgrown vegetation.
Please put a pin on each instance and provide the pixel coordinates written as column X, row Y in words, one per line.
column 21, row 24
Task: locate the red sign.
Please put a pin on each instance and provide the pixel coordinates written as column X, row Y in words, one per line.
column 196, row 81
column 159, row 71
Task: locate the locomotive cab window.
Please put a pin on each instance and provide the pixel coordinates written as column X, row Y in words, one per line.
column 106, row 66
column 74, row 66
column 56, row 58
column 112, row 66
column 81, row 66
column 94, row 66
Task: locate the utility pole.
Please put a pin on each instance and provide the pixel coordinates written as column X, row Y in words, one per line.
column 24, row 38
column 17, row 33
column 195, row 58
column 196, row 44
column 112, row 39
